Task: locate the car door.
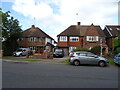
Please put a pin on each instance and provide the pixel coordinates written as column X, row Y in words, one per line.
column 82, row 58
column 92, row 59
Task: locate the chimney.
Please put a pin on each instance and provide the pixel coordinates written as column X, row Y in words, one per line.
column 78, row 23
column 33, row 26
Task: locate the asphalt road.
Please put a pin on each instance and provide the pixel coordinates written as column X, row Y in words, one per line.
column 33, row 75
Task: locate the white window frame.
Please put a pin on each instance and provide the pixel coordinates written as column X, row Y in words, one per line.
column 32, row 39
column 74, row 39
column 92, row 38
column 118, row 28
column 71, row 49
column 63, row 38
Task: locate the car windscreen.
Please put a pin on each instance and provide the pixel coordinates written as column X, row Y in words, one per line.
column 19, row 50
column 58, row 50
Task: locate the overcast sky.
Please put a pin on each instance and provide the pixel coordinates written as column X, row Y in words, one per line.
column 54, row 16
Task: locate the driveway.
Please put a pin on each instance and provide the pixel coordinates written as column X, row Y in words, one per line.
column 35, row 75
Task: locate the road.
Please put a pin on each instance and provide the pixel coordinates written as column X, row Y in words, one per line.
column 33, row 75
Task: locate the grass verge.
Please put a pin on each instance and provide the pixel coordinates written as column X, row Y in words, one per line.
column 111, row 61
column 33, row 60
column 65, row 61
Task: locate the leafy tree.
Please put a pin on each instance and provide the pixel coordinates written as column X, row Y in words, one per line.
column 11, row 31
column 117, row 45
column 117, row 42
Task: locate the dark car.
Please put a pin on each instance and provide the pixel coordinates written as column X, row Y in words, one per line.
column 117, row 59
column 58, row 53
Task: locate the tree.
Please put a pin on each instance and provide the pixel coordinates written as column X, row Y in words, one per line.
column 117, row 45
column 11, row 31
column 117, row 42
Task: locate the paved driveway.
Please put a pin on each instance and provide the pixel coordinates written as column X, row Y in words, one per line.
column 33, row 75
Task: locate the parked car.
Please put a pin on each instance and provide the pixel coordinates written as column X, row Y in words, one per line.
column 82, row 57
column 21, row 52
column 117, row 59
column 58, row 53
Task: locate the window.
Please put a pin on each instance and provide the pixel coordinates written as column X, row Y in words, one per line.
column 71, row 48
column 33, row 48
column 110, row 28
column 63, row 38
column 92, row 38
column 118, row 28
column 20, row 39
column 33, row 39
column 74, row 39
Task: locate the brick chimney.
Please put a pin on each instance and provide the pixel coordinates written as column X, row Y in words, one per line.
column 33, row 26
column 78, row 23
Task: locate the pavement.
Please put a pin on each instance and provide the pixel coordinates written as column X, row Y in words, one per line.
column 44, row 61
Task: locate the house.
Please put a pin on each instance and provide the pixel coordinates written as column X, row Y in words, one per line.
column 37, row 40
column 111, row 31
column 86, row 36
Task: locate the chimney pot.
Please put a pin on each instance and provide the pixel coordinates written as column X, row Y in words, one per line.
column 33, row 26
column 78, row 23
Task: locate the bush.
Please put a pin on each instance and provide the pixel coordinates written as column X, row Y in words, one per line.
column 117, row 50
column 96, row 50
column 80, row 49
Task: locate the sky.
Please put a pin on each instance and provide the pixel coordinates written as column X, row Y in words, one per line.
column 54, row 16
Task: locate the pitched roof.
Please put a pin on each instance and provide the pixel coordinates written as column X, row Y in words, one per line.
column 80, row 30
column 35, row 32
column 112, row 30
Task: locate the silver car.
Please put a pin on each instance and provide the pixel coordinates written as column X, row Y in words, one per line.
column 82, row 57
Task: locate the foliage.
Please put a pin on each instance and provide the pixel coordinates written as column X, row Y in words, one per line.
column 96, row 50
column 11, row 31
column 117, row 42
column 80, row 49
column 66, row 61
column 117, row 50
column 117, row 45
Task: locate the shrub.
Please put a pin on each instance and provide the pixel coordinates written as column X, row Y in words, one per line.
column 117, row 50
column 96, row 50
column 80, row 49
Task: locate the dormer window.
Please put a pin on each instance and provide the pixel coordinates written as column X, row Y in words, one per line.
column 110, row 28
column 118, row 28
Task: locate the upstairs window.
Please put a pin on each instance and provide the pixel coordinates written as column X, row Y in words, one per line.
column 63, row 38
column 92, row 38
column 74, row 39
column 33, row 39
column 118, row 28
column 20, row 39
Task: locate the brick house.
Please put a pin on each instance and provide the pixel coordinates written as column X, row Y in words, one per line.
column 37, row 40
column 111, row 31
column 86, row 36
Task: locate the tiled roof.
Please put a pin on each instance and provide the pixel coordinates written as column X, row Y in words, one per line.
column 112, row 30
column 35, row 32
column 80, row 30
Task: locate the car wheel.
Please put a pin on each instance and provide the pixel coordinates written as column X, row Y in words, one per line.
column 101, row 63
column 20, row 55
column 76, row 63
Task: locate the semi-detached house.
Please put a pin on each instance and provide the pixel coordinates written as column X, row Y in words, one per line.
column 86, row 36
column 37, row 40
